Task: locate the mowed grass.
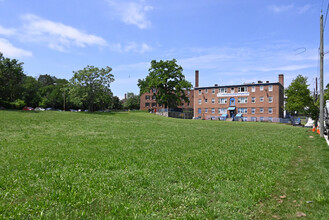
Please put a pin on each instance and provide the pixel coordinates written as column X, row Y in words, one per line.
column 137, row 165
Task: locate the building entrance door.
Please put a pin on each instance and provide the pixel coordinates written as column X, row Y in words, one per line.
column 232, row 113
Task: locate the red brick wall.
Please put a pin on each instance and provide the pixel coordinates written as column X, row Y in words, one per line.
column 146, row 104
column 276, row 105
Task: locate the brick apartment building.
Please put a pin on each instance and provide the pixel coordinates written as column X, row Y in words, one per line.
column 261, row 101
column 148, row 101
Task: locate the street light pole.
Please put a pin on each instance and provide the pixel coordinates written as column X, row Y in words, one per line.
column 321, row 78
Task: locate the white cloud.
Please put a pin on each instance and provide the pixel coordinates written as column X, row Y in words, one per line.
column 132, row 12
column 9, row 50
column 285, row 8
column 304, row 9
column 280, row 8
column 56, row 35
column 7, row 31
column 131, row 47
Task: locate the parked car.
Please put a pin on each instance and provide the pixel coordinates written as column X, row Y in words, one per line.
column 73, row 110
column 26, row 108
column 50, row 109
column 39, row 109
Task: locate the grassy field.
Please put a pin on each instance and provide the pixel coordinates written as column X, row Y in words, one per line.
column 136, row 165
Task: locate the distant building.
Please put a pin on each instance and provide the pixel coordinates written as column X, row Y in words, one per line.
column 261, row 101
column 148, row 101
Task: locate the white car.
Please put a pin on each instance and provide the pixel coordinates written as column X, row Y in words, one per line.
column 39, row 109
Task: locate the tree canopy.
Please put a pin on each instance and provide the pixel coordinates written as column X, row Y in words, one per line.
column 298, row 96
column 91, row 87
column 132, row 101
column 168, row 80
column 11, row 79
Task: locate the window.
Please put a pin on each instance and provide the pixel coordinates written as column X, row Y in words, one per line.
column 199, row 110
column 261, row 88
column 253, row 100
column 270, row 99
column 261, row 99
column 261, row 110
column 222, row 100
column 206, row 110
column 222, row 90
column 270, row 110
column 270, row 88
column 200, row 101
column 213, row 111
column 188, row 92
column 154, row 105
column 206, row 90
column 261, row 119
column 242, row 110
column 182, row 104
column 199, row 91
column 206, row 100
column 147, row 97
column 253, row 119
column 243, row 89
column 253, row 110
column 245, row 119
column 160, row 105
column 213, row 101
column 154, row 97
column 242, row 100
column 253, row 89
column 232, row 90
column 154, row 90
column 147, row 104
column 213, row 91
column 222, row 111
column 270, row 119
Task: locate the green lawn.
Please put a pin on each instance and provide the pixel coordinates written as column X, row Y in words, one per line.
column 136, row 165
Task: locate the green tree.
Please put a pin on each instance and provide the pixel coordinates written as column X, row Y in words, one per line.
column 132, row 101
column 11, row 79
column 298, row 96
column 91, row 86
column 117, row 103
column 169, row 81
column 30, row 92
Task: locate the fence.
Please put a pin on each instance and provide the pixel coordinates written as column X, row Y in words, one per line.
column 255, row 119
column 175, row 113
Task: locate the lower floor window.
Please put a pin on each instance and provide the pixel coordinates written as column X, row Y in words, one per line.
column 213, row 111
column 199, row 110
column 270, row 110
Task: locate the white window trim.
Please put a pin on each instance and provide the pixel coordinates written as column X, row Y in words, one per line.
column 269, row 99
column 260, row 100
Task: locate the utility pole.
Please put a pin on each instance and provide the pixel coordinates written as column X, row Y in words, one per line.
column 321, row 77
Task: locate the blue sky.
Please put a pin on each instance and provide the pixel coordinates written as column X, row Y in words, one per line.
column 229, row 42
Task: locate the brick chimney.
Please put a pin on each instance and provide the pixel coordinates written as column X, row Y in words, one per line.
column 281, row 79
column 196, row 78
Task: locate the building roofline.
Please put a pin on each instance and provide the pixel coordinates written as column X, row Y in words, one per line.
column 240, row 85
